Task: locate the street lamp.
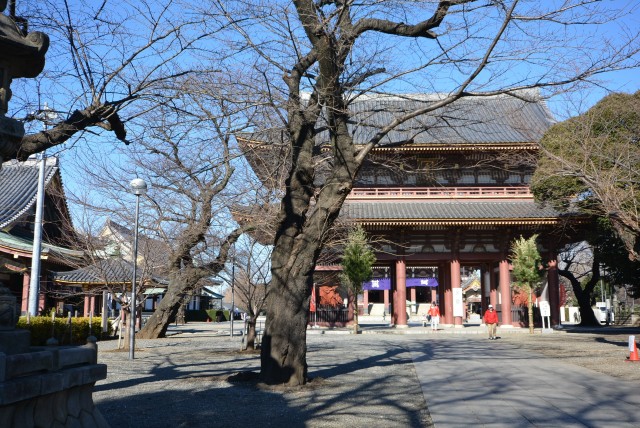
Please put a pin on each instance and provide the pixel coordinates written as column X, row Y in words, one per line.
column 139, row 188
column 47, row 116
column 233, row 280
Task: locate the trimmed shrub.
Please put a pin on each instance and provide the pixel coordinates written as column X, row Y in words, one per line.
column 65, row 334
column 200, row 315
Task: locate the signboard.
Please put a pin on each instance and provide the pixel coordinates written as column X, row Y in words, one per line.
column 458, row 304
column 377, row 284
column 421, row 282
column 545, row 309
column 632, row 343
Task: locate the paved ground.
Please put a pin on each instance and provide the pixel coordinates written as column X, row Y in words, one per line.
column 383, row 378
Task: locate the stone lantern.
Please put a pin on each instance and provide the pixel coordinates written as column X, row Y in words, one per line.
column 21, row 55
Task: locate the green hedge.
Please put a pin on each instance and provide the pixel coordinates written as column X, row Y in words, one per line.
column 200, row 315
column 40, row 328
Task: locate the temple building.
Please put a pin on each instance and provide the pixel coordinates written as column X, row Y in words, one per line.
column 443, row 197
column 18, row 194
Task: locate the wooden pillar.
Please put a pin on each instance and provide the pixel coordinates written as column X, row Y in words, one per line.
column 434, row 294
column 505, row 293
column 400, row 297
column 448, row 298
column 554, row 291
column 486, row 287
column 41, row 299
column 456, row 287
column 26, row 279
column 413, row 299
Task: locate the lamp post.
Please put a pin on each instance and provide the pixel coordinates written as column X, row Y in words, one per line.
column 139, row 188
column 233, row 303
column 46, row 115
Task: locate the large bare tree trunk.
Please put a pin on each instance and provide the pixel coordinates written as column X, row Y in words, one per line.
column 284, row 346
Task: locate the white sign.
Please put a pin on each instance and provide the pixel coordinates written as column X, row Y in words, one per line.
column 632, row 342
column 458, row 304
column 545, row 309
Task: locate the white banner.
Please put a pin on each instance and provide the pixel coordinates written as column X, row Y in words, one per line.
column 458, row 304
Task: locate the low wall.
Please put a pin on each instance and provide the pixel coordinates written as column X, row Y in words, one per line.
column 50, row 387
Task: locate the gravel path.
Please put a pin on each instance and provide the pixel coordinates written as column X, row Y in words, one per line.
column 368, row 380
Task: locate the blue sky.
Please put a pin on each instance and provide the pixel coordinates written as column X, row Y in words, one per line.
column 65, row 96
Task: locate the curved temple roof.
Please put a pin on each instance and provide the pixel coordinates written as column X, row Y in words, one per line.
column 19, row 187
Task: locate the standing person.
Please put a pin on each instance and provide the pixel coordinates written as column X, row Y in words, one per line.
column 434, row 313
column 491, row 320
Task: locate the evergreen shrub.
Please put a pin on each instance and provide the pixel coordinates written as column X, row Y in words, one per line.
column 40, row 328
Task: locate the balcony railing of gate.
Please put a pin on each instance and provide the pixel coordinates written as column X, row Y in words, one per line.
column 439, row 192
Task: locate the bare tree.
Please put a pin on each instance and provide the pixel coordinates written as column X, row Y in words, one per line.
column 184, row 153
column 581, row 267
column 251, row 282
column 108, row 62
column 332, row 53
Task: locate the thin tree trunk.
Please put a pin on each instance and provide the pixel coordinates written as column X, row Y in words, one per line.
column 167, row 309
column 587, row 317
column 251, row 333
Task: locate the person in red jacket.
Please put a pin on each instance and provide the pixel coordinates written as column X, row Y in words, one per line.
column 491, row 320
column 434, row 314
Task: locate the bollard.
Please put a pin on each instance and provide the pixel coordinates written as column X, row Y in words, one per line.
column 633, row 349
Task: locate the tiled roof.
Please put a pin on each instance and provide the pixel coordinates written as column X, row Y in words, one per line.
column 111, row 271
column 472, row 120
column 103, row 271
column 19, row 186
column 447, row 210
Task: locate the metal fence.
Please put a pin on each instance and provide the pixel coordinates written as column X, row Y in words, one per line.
column 329, row 316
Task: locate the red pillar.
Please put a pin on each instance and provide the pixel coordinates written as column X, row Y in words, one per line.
column 456, row 287
column 505, row 292
column 400, row 298
column 87, row 308
column 448, row 298
column 434, row 294
column 554, row 291
column 26, row 279
column 41, row 299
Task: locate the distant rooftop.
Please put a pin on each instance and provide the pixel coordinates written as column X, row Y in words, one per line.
column 19, row 187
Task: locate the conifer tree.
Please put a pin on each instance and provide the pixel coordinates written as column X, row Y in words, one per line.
column 357, row 261
column 526, row 262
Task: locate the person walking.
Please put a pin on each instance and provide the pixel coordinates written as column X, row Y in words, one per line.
column 434, row 314
column 491, row 320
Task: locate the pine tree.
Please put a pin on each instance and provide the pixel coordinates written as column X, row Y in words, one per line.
column 527, row 270
column 357, row 260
